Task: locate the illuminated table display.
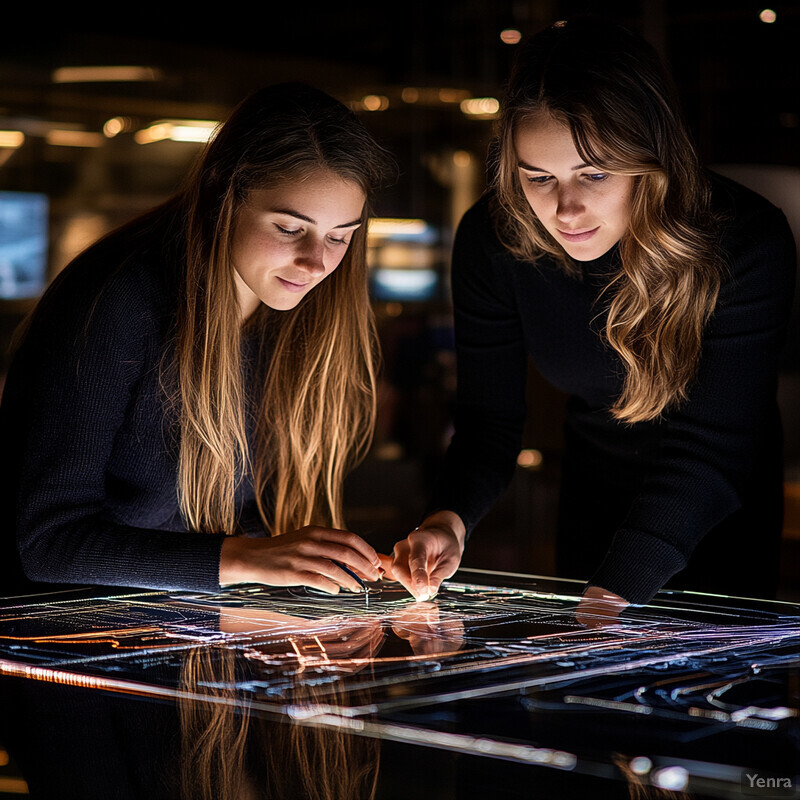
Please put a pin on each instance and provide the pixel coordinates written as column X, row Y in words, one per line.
column 696, row 693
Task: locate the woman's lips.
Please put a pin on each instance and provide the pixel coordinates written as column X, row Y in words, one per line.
column 291, row 286
column 579, row 236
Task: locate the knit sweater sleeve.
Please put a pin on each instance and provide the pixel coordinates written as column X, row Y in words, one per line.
column 66, row 399
column 711, row 444
column 492, row 365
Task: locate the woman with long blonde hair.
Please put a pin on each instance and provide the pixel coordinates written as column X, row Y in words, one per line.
column 191, row 391
column 654, row 294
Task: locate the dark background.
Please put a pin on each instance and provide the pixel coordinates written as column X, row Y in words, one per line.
column 738, row 77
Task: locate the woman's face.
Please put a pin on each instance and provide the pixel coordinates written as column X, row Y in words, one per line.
column 583, row 208
column 290, row 237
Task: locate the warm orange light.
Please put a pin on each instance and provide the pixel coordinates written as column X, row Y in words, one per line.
column 767, row 15
column 70, row 138
column 177, row 130
column 461, row 158
column 394, row 309
column 431, row 96
column 480, row 107
column 510, row 36
column 530, row 459
column 104, row 74
column 12, row 139
column 11, row 785
column 374, row 102
column 113, row 127
column 117, row 125
column 390, row 226
column 452, row 95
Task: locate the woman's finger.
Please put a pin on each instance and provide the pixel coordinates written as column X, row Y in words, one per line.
column 333, row 572
column 418, row 560
column 348, row 558
column 315, row 580
column 350, row 541
column 400, row 568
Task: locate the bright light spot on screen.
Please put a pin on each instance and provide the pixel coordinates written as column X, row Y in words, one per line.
column 768, row 15
column 410, row 94
column 12, row 139
column 641, row 765
column 530, row 459
column 406, row 282
column 23, row 243
column 117, row 125
column 510, row 36
column 192, row 133
column 480, row 107
column 374, row 102
column 184, row 130
column 676, row 779
column 155, row 133
column 3, row 758
column 389, row 226
column 113, row 127
column 104, row 74
column 564, row 760
column 461, row 158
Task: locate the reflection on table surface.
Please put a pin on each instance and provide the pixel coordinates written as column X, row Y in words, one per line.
column 692, row 692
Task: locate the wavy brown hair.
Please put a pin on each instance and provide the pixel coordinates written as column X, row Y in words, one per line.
column 608, row 86
column 315, row 409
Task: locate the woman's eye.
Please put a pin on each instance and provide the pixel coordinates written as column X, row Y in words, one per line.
column 596, row 177
column 288, row 231
column 336, row 241
column 539, row 179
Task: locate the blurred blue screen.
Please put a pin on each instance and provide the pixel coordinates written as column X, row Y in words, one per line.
column 23, row 244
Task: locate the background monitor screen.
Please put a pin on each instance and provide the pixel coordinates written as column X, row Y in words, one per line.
column 23, row 244
column 404, row 284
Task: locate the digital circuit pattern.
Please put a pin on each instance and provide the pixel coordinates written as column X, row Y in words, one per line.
column 377, row 664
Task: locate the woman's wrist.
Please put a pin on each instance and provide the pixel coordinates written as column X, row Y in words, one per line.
column 233, row 561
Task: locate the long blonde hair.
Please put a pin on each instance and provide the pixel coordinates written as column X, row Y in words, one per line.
column 227, row 753
column 315, row 413
column 608, row 87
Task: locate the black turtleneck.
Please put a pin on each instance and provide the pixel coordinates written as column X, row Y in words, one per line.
column 639, row 497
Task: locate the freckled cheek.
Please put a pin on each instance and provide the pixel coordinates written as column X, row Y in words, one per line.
column 267, row 251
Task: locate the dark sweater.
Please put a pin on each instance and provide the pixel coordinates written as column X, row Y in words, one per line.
column 693, row 468
column 89, row 445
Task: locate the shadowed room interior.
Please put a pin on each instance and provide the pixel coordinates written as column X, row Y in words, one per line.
column 100, row 122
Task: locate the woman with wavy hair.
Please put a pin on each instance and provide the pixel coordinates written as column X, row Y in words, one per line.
column 655, row 295
column 191, row 391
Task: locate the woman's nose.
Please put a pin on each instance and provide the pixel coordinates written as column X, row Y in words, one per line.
column 570, row 205
column 310, row 256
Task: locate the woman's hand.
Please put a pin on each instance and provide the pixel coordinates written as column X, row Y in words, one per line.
column 307, row 557
column 430, row 554
column 347, row 638
column 599, row 607
column 428, row 633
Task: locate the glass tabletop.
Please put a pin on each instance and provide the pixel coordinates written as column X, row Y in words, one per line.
column 695, row 693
